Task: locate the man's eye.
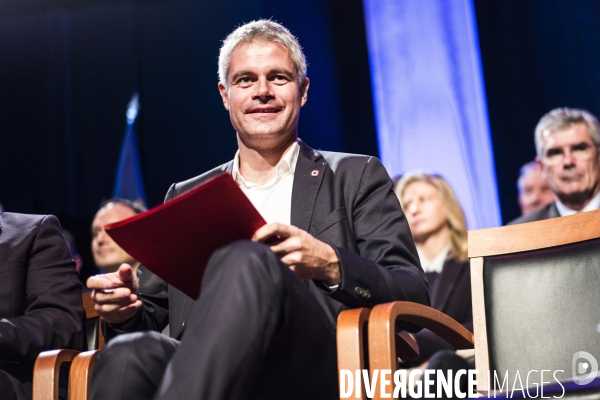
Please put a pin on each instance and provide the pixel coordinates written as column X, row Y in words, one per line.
column 243, row 81
column 581, row 147
column 553, row 152
column 280, row 79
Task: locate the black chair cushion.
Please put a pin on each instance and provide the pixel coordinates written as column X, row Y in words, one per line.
column 541, row 308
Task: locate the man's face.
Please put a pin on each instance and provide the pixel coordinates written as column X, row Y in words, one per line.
column 570, row 163
column 107, row 254
column 535, row 192
column 263, row 96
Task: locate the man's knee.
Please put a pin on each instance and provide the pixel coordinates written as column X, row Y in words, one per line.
column 248, row 268
column 138, row 345
column 244, row 256
column 244, row 249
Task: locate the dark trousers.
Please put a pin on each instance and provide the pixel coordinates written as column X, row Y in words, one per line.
column 12, row 389
column 256, row 331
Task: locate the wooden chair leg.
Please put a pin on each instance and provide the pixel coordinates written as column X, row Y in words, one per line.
column 45, row 373
column 350, row 338
column 81, row 375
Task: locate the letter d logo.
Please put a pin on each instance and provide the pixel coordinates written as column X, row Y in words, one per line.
column 580, row 368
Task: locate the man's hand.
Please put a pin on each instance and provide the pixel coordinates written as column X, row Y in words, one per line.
column 307, row 256
column 115, row 294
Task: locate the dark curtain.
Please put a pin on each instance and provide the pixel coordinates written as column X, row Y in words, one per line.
column 537, row 55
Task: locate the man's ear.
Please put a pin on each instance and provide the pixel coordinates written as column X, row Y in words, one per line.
column 304, row 91
column 224, row 95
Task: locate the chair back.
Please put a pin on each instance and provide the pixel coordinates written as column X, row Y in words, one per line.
column 535, row 288
column 92, row 325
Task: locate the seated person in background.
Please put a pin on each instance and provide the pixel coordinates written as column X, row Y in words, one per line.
column 439, row 229
column 107, row 254
column 534, row 191
column 567, row 142
column 40, row 298
column 264, row 323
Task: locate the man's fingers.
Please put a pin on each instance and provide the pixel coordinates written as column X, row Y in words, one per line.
column 287, row 246
column 116, row 305
column 115, row 314
column 125, row 272
column 104, row 281
column 293, row 259
column 111, row 295
column 271, row 230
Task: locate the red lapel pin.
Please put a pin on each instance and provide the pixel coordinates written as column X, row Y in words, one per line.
column 314, row 172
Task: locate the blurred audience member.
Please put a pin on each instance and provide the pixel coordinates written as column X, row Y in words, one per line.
column 108, row 256
column 567, row 142
column 534, row 191
column 439, row 229
column 41, row 298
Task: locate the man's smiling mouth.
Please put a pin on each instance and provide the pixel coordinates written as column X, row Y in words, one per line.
column 269, row 110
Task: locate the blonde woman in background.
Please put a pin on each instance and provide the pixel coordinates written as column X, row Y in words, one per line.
column 439, row 229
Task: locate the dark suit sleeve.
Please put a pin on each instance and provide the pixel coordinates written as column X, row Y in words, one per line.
column 387, row 267
column 53, row 313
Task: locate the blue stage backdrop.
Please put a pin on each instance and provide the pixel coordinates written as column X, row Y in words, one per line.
column 429, row 97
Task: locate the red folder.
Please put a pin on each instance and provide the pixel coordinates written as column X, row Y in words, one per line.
column 176, row 239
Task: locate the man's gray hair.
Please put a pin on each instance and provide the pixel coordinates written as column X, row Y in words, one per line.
column 563, row 118
column 266, row 30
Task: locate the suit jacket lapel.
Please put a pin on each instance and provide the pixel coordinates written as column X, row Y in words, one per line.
column 308, row 177
column 553, row 211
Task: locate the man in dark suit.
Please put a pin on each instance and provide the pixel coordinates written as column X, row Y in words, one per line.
column 264, row 324
column 40, row 292
column 567, row 142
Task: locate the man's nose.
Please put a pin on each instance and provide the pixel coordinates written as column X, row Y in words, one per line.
column 568, row 158
column 101, row 236
column 263, row 89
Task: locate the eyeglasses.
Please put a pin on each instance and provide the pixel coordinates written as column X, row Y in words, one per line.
column 580, row 152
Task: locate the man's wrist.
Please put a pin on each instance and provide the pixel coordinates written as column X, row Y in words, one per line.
column 333, row 275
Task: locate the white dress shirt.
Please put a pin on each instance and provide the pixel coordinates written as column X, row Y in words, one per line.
column 273, row 200
column 435, row 265
column 594, row 204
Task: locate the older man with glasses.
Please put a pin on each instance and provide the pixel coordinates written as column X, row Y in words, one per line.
column 567, row 142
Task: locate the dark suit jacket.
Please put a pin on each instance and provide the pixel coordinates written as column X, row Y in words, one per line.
column 549, row 211
column 349, row 204
column 450, row 294
column 40, row 292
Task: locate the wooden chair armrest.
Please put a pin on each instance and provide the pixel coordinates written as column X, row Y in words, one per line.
column 45, row 373
column 350, row 338
column 382, row 330
column 350, row 335
column 80, row 375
